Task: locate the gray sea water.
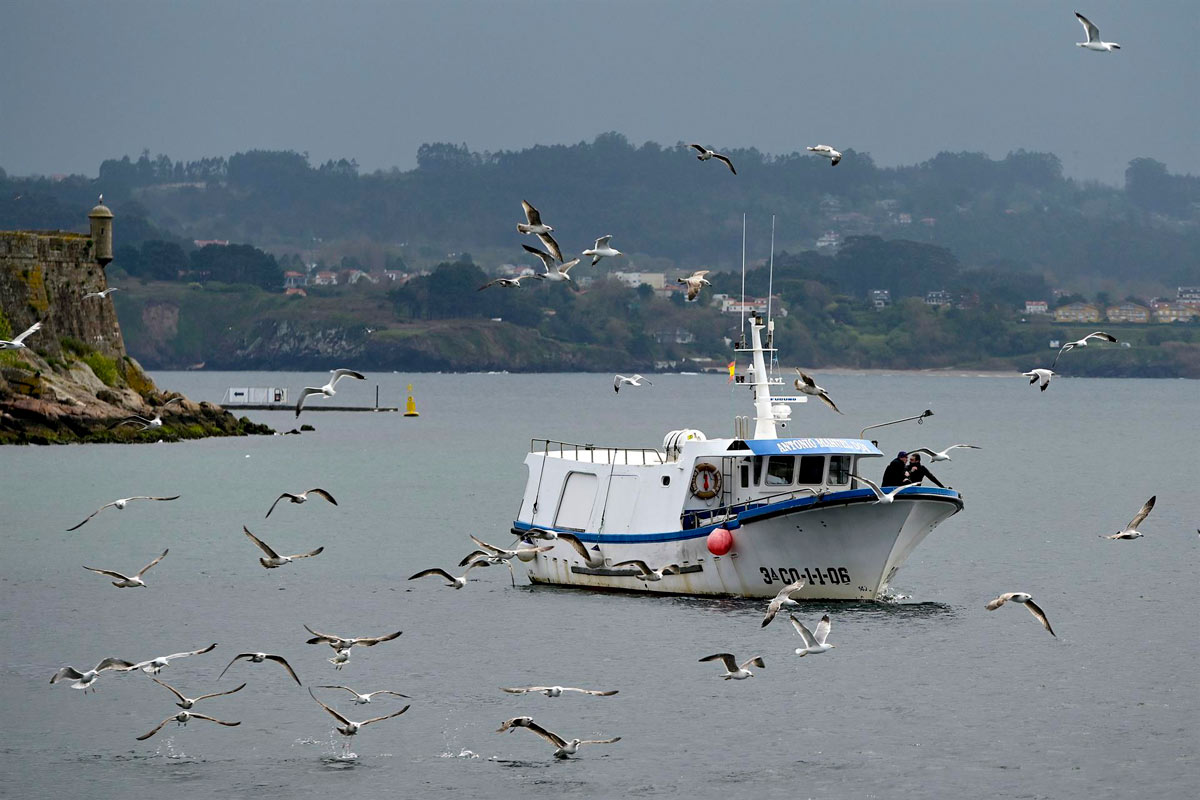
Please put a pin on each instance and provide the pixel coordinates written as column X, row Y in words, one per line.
column 930, row 696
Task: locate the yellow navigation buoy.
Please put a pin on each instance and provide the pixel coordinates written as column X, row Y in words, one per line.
column 410, row 406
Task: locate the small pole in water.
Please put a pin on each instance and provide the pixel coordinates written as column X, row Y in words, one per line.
column 377, row 397
column 410, row 407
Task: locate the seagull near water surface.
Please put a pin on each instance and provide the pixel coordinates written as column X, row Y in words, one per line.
column 562, row 747
column 733, row 670
column 328, row 389
column 1093, row 42
column 784, row 598
column 647, row 574
column 814, row 643
column 187, row 702
column 156, row 422
column 182, row 719
column 273, row 559
column 363, row 699
column 1025, row 599
column 120, row 506
column 451, row 580
column 301, row 498
column 632, row 380
column 1131, row 531
column 86, row 680
column 1040, row 374
column 129, row 581
column 348, row 726
column 258, row 658
column 346, row 642
column 18, row 342
column 706, row 154
column 156, row 665
column 556, row 691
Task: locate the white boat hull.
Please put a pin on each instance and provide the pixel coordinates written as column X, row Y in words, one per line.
column 846, row 547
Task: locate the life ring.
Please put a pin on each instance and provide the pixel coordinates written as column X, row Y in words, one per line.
column 706, row 481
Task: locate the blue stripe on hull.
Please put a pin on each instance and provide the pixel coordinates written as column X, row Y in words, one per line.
column 746, row 517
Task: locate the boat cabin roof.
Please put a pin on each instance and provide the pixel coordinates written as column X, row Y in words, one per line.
column 806, row 447
column 645, row 456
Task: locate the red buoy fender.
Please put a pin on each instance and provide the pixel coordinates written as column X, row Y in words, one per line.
column 720, row 542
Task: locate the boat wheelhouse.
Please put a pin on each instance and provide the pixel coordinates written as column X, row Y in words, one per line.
column 742, row 516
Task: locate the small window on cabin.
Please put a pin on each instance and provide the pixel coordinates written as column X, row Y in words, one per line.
column 758, row 462
column 839, row 470
column 780, row 470
column 745, row 470
column 666, row 480
column 812, row 470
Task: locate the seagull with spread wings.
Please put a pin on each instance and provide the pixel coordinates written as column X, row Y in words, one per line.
column 945, row 454
column 554, row 272
column 154, row 666
column 451, row 580
column 533, row 224
column 86, row 680
column 814, row 643
column 828, row 152
column 301, row 498
column 602, row 249
column 187, row 702
column 510, row 283
column 562, row 747
column 632, row 380
column 695, row 282
column 328, row 389
column 1093, row 42
column 880, row 495
column 102, row 293
column 258, row 658
column 1131, row 530
column 119, row 505
column 18, row 342
column 1100, row 335
column 556, row 691
column 363, row 699
column 644, row 571
column 129, row 581
column 346, row 642
column 733, row 670
column 1043, row 375
column 348, row 726
column 1025, row 599
column 155, row 422
column 273, row 559
column 182, row 719
column 706, row 154
column 806, row 385
column 784, row 598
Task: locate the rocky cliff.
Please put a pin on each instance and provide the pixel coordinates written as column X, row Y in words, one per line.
column 74, row 381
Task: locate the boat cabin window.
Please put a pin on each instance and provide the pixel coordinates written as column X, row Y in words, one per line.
column 744, row 470
column 839, row 470
column 812, row 470
column 758, row 464
column 780, row 469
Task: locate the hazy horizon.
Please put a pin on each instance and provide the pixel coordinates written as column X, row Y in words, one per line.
column 373, row 81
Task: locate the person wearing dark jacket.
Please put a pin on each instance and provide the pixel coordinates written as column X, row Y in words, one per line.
column 917, row 472
column 893, row 475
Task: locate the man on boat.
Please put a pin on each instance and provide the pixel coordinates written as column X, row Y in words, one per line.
column 917, row 472
column 894, row 474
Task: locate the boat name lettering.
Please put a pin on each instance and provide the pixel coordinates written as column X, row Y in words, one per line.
column 853, row 445
column 812, row 575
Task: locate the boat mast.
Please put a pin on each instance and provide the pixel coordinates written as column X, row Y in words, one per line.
column 770, row 291
column 743, row 278
column 764, row 420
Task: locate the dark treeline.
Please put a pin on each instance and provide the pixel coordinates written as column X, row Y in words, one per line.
column 1018, row 213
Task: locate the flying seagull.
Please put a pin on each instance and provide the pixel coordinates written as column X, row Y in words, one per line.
column 647, row 574
column 556, row 691
column 536, row 226
column 300, row 498
column 562, row 747
column 945, row 454
column 806, row 385
column 828, row 152
column 1093, row 37
column 591, row 557
column 695, row 282
column 155, row 665
column 1131, row 530
column 602, row 249
column 502, row 554
column 327, row 390
column 554, row 272
column 880, row 495
column 156, row 422
column 1025, row 599
column 349, row 727
column 18, row 342
column 119, row 505
column 733, row 670
column 103, row 293
column 188, row 702
column 632, row 380
column 1107, row 337
column 273, row 559
column 363, row 699
column 1043, row 375
column 457, row 583
column 126, row 581
column 814, row 643
column 346, row 642
column 706, row 154
column 258, row 658
column 182, row 719
column 510, row 283
column 784, row 598
column 85, row 680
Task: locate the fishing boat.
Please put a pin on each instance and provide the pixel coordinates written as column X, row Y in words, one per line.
column 741, row 516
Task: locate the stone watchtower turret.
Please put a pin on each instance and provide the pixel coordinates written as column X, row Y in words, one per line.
column 101, row 220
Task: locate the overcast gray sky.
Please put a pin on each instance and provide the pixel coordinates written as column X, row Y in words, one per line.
column 85, row 81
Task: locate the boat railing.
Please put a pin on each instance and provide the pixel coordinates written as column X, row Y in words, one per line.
column 594, row 454
column 699, row 517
